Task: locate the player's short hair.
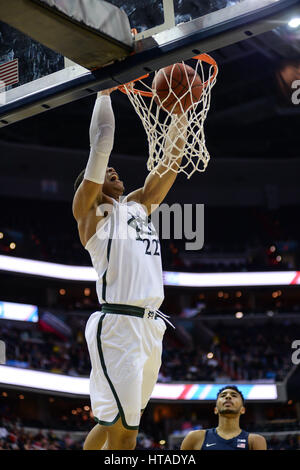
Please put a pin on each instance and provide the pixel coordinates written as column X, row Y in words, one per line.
column 232, row 387
column 79, row 180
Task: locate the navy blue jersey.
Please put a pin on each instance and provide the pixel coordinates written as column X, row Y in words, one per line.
column 213, row 441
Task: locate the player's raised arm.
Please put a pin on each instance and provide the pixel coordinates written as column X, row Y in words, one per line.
column 156, row 187
column 102, row 129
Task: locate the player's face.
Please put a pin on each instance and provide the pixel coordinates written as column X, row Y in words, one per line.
column 229, row 402
column 113, row 186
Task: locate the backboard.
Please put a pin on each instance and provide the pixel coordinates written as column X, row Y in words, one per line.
column 167, row 31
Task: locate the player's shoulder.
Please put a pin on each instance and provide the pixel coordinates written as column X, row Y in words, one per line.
column 197, row 433
column 257, row 442
column 193, row 440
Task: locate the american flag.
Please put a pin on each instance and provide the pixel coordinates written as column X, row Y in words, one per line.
column 9, row 73
column 242, row 445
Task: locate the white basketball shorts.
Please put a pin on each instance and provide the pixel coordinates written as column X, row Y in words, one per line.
column 125, row 353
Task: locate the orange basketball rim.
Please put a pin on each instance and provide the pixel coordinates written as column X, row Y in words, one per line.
column 201, row 57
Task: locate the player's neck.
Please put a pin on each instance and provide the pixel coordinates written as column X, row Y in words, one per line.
column 115, row 195
column 107, row 198
column 228, row 426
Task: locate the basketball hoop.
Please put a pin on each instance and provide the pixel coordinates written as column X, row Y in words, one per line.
column 156, row 119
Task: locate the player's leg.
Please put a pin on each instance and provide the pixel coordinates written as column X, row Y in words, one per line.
column 114, row 437
column 96, row 438
column 120, row 438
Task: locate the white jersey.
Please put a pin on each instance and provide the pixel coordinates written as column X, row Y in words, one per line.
column 125, row 252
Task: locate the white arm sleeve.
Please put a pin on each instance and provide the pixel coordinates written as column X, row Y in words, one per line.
column 102, row 131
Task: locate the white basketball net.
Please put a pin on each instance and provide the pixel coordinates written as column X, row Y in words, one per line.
column 156, row 122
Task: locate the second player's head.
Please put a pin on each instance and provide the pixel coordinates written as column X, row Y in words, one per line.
column 230, row 402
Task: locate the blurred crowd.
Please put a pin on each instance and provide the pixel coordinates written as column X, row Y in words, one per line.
column 194, row 352
column 13, row 436
column 40, row 350
column 250, row 240
column 290, row 442
column 22, row 440
column 252, row 352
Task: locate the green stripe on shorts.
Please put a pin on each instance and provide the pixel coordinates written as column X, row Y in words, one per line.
column 121, row 411
column 107, row 423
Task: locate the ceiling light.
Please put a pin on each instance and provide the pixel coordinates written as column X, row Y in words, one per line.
column 294, row 23
column 239, row 315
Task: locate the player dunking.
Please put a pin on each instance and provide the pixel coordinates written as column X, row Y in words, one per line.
column 125, row 338
column 228, row 435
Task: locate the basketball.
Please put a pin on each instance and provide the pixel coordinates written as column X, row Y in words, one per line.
column 177, row 87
